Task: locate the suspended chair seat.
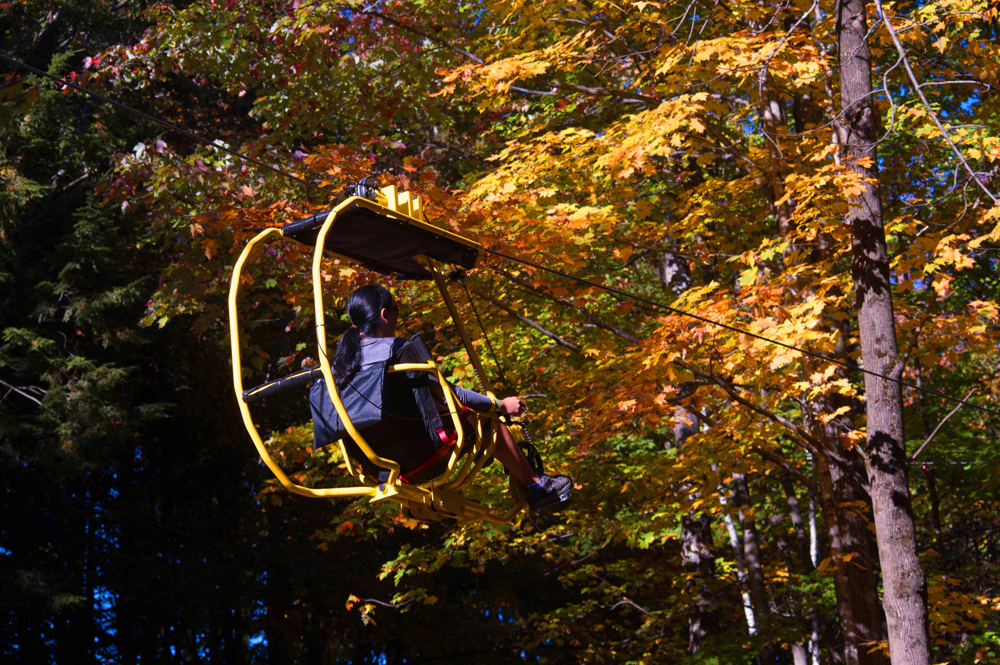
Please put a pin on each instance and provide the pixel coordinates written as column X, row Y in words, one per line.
column 396, row 443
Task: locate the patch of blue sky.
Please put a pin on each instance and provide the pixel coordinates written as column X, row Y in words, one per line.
column 203, row 650
column 105, row 601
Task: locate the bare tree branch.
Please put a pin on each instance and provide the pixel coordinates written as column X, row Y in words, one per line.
column 626, row 601
column 383, row 603
column 422, row 32
column 941, row 424
column 918, row 88
column 22, row 393
column 624, row 334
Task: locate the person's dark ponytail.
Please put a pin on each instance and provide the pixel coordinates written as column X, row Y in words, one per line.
column 364, row 310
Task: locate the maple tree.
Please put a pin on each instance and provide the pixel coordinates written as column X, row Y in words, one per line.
column 820, row 175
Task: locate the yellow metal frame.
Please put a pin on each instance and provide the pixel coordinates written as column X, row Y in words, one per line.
column 441, row 497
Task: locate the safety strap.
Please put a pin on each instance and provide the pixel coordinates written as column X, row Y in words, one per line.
column 447, row 441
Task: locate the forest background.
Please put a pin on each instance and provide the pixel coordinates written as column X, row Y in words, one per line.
column 736, row 501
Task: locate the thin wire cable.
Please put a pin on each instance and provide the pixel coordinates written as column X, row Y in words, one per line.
column 528, row 445
column 582, row 280
column 164, row 123
column 489, row 344
column 674, row 310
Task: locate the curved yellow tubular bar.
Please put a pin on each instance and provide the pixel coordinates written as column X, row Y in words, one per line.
column 349, row 463
column 482, row 448
column 234, row 289
column 472, row 462
column 410, row 367
column 324, row 360
column 476, row 459
column 519, row 503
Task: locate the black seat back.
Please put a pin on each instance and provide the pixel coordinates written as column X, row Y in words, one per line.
column 395, row 413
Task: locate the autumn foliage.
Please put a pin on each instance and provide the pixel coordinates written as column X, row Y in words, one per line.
column 696, row 154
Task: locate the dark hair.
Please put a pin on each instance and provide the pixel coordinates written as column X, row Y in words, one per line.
column 364, row 310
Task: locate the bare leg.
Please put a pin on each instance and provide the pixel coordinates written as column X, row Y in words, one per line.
column 508, row 453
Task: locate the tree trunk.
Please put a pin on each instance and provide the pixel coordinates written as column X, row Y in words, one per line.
column 905, row 597
column 798, row 525
column 741, row 572
column 850, row 551
column 755, row 569
column 800, row 650
column 799, row 654
column 697, row 557
column 673, row 269
column 772, row 119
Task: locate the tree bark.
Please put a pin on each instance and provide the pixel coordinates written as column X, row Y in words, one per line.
column 741, row 572
column 850, row 551
column 800, row 651
column 699, row 560
column 799, row 654
column 697, row 556
column 905, row 597
column 755, row 569
column 772, row 117
column 673, row 269
column 798, row 525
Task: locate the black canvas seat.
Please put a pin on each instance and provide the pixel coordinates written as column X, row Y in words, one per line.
column 395, row 412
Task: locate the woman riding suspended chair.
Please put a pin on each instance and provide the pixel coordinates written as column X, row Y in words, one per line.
column 364, row 350
column 406, row 434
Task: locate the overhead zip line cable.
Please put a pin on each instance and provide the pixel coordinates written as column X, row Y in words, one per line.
column 554, row 271
column 726, row 326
